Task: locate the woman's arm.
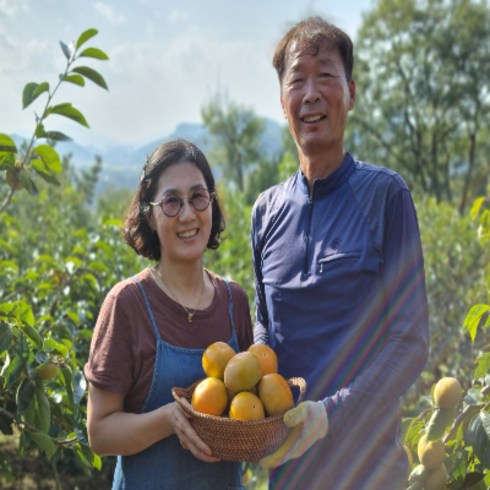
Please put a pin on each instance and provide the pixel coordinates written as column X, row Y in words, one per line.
column 113, row 431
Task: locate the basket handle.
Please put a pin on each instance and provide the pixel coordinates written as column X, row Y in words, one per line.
column 298, row 383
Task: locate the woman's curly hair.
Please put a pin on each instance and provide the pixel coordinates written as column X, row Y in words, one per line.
column 137, row 231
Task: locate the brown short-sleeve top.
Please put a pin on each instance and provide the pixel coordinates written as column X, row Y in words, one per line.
column 122, row 351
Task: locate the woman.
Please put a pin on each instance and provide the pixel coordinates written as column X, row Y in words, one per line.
column 153, row 328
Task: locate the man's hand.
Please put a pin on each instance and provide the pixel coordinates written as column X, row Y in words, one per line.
column 309, row 423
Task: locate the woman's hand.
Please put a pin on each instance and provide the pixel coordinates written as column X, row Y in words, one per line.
column 309, row 423
column 188, row 437
column 106, row 417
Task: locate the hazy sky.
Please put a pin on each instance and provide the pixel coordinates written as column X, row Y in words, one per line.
column 167, row 58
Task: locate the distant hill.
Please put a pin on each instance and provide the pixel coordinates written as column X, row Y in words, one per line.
column 122, row 164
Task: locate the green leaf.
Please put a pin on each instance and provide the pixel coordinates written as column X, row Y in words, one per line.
column 33, row 335
column 66, row 50
column 482, row 365
column 19, row 310
column 85, row 36
column 51, row 345
column 40, row 132
column 44, row 442
column 94, row 53
column 475, row 209
column 32, row 91
column 38, row 413
column 40, row 168
column 57, row 136
column 474, row 317
column 13, row 368
column 26, row 182
column 75, row 79
column 92, row 75
column 68, row 382
column 68, row 111
column 441, row 419
column 478, row 436
column 50, row 157
column 6, row 336
column 7, row 160
column 25, row 395
column 80, row 385
column 7, row 143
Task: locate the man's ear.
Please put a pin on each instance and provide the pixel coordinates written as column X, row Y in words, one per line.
column 282, row 106
column 352, row 94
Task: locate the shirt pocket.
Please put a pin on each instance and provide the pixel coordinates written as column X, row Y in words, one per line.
column 349, row 262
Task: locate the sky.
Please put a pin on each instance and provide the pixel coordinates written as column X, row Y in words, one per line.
column 167, row 59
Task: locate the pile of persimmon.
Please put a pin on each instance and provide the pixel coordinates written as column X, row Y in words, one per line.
column 243, row 385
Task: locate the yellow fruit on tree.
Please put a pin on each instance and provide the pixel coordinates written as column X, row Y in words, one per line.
column 447, row 392
column 431, row 453
column 436, row 479
column 275, row 394
column 246, row 406
column 242, row 372
column 210, row 396
column 47, row 370
column 215, row 358
column 266, row 356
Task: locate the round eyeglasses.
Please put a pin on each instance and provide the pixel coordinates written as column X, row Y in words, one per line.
column 171, row 204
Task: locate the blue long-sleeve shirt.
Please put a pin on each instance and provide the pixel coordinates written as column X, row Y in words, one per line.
column 340, row 291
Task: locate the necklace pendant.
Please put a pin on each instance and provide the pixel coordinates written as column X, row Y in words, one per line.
column 189, row 317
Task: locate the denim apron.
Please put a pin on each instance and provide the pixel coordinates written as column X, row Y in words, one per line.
column 165, row 464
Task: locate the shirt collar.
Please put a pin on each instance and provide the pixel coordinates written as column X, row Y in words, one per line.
column 331, row 182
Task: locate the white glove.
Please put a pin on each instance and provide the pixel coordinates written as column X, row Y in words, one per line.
column 309, row 423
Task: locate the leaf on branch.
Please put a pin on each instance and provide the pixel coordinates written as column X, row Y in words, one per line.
column 49, row 157
column 40, row 168
column 24, row 395
column 477, row 205
column 7, row 160
column 94, row 53
column 92, row 75
column 441, row 419
column 474, row 318
column 57, row 136
column 32, row 91
column 478, row 436
column 68, row 111
column 75, row 79
column 7, row 144
column 44, row 442
column 482, row 365
column 67, row 51
column 85, row 36
column 6, row 336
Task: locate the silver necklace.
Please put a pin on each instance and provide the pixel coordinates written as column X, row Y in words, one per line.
column 190, row 314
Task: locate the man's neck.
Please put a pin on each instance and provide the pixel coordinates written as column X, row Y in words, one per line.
column 315, row 167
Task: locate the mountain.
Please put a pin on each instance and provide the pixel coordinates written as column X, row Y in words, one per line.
column 122, row 164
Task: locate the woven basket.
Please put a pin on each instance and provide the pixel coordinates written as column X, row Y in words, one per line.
column 238, row 440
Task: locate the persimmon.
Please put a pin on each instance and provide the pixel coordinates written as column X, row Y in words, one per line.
column 275, row 394
column 215, row 358
column 242, row 372
column 246, row 406
column 266, row 356
column 210, row 396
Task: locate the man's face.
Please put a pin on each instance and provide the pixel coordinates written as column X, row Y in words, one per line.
column 316, row 98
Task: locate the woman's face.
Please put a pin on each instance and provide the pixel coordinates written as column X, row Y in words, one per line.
column 184, row 237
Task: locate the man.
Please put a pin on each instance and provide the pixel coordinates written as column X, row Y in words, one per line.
column 340, row 286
